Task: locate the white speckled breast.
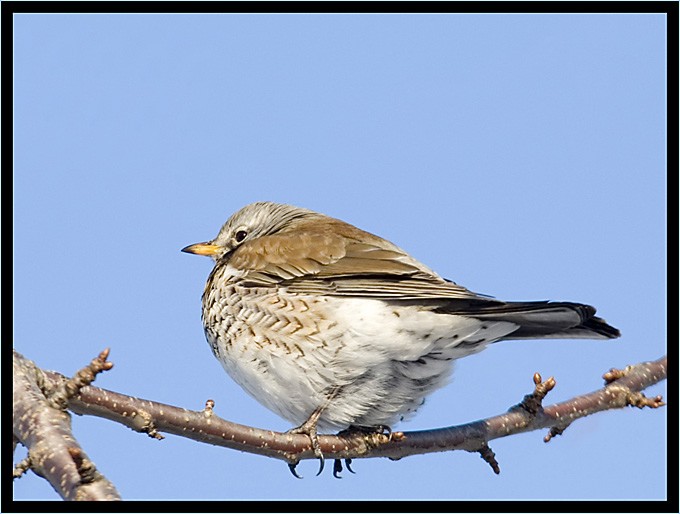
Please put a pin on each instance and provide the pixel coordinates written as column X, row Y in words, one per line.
column 290, row 350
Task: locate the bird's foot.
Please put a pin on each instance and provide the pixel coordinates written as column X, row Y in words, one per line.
column 309, row 428
column 358, row 430
column 354, row 430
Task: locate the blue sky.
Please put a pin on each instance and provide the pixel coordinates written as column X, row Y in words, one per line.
column 522, row 156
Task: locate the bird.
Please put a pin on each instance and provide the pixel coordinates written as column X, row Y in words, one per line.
column 335, row 328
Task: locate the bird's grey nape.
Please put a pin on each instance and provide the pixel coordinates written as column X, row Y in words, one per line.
column 267, row 217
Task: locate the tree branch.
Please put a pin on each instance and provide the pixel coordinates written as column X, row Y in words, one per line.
column 44, row 427
column 622, row 388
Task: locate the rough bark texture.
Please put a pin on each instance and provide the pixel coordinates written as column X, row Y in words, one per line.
column 44, row 428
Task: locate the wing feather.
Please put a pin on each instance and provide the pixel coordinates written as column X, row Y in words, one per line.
column 331, row 263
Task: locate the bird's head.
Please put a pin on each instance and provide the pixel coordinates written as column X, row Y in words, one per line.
column 252, row 221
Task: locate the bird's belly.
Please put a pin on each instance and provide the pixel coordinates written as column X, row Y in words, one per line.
column 279, row 348
column 290, row 352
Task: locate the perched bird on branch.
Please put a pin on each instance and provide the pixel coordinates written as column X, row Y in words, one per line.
column 332, row 327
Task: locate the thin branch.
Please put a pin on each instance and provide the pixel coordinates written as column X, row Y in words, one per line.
column 205, row 426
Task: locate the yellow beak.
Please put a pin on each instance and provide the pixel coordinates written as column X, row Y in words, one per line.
column 208, row 249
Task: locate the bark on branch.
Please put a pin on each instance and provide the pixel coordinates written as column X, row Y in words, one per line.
column 42, row 424
column 622, row 388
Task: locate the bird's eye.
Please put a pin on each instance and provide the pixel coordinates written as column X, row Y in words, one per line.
column 240, row 235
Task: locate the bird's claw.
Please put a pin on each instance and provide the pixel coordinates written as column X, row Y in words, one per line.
column 317, row 449
column 337, row 467
column 385, row 430
column 291, row 467
column 319, row 456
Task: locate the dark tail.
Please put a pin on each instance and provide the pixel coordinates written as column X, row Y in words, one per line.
column 544, row 320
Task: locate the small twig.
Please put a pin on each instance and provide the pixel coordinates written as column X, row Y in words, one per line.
column 208, row 409
column 84, row 377
column 22, row 467
column 614, row 374
column 639, row 400
column 490, row 458
column 554, row 431
column 533, row 403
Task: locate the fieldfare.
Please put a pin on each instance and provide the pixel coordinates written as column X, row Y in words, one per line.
column 333, row 327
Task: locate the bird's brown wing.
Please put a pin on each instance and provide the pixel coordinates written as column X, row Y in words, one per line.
column 344, row 261
column 335, row 264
